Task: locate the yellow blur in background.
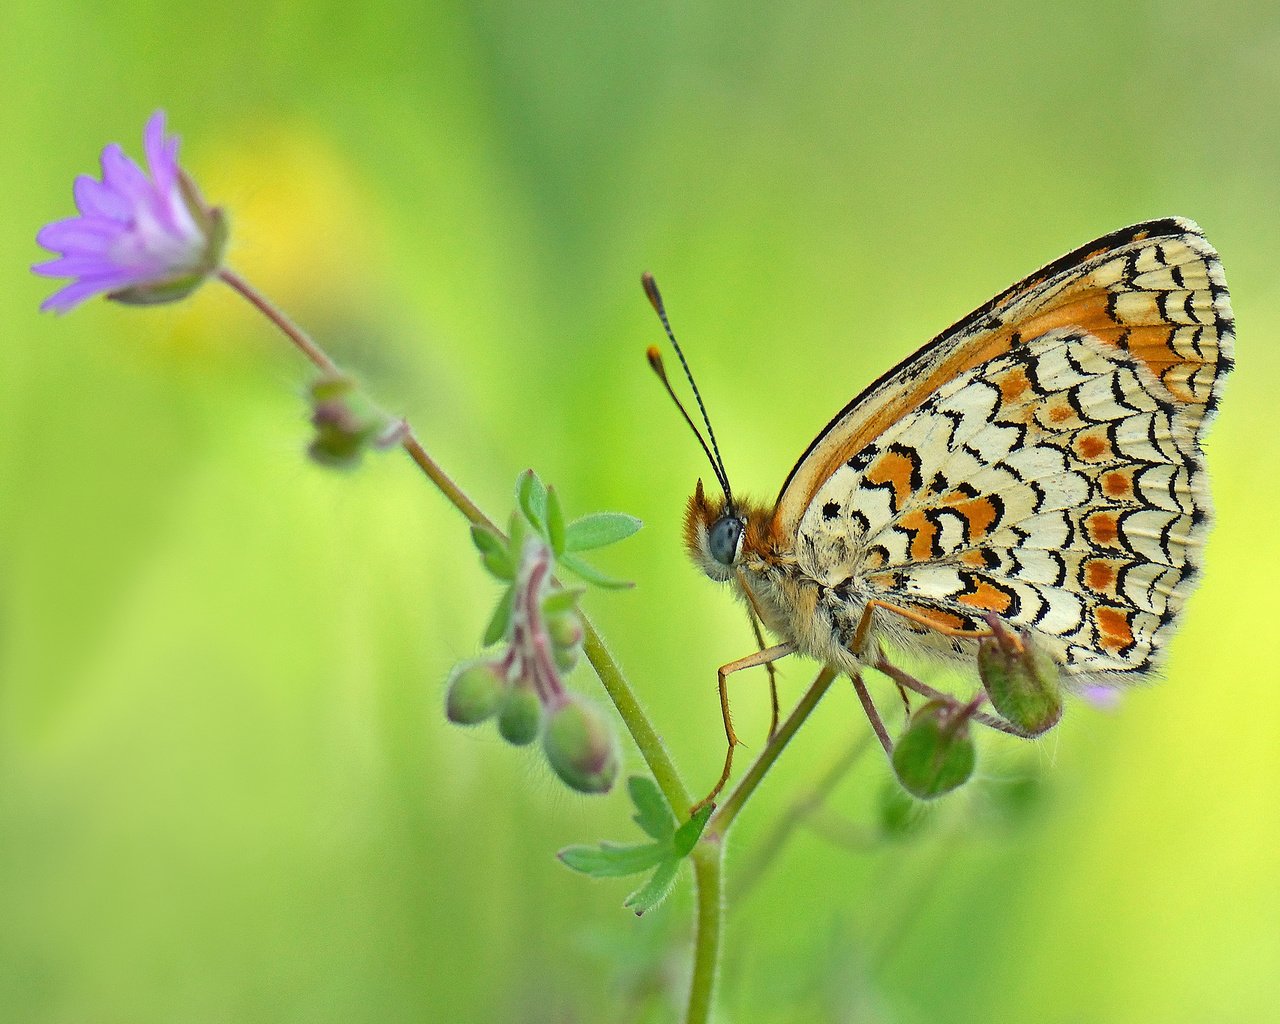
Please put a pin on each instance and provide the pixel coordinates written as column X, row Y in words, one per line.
column 227, row 789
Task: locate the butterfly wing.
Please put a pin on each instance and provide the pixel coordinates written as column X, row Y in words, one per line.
column 1039, row 460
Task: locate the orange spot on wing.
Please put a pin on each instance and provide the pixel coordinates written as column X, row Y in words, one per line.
column 988, row 598
column 980, row 513
column 1099, row 575
column 945, row 620
column 1115, row 632
column 1014, row 384
column 1087, row 311
column 1090, row 446
column 897, row 470
column 1118, row 483
column 1102, row 528
column 923, row 532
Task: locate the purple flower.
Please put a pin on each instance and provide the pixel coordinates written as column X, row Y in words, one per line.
column 138, row 239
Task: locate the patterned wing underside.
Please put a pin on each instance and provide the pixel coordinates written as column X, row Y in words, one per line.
column 1058, row 483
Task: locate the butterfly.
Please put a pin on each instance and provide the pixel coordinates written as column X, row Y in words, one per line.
column 1038, row 461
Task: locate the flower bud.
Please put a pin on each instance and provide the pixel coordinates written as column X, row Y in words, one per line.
column 565, row 629
column 581, row 748
column 936, row 753
column 476, row 688
column 346, row 423
column 1022, row 679
column 520, row 717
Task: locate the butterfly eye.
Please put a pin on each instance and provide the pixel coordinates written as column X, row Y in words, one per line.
column 723, row 539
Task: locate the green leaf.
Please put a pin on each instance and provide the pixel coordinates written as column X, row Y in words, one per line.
column 598, row 530
column 686, row 836
column 657, row 889
column 609, row 860
column 652, row 813
column 562, row 600
column 501, row 619
column 517, row 530
column 494, row 553
column 555, row 522
column 532, row 496
column 591, row 574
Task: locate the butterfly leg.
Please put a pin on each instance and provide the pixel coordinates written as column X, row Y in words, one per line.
column 764, row 657
column 920, row 618
column 873, row 716
column 773, row 675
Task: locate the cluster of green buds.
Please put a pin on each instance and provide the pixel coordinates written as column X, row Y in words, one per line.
column 537, row 634
column 1022, row 680
column 347, row 424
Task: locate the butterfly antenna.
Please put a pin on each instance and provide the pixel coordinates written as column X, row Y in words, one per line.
column 655, row 362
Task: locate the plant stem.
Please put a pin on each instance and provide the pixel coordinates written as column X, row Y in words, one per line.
column 637, row 722
column 615, row 683
column 925, row 690
column 800, row 811
column 723, row 818
column 708, row 873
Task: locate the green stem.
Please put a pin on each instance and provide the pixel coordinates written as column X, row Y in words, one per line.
column 633, row 717
column 723, row 818
column 615, row 683
column 800, row 811
column 708, row 869
column 708, row 857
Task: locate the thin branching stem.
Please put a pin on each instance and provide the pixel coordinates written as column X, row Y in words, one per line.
column 615, row 683
column 799, row 812
column 723, row 818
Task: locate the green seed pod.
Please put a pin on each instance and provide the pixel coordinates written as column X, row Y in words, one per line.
column 476, row 688
column 936, row 753
column 565, row 629
column 1022, row 680
column 581, row 748
column 567, row 658
column 520, row 717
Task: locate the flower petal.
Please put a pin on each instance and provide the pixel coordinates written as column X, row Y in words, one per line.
column 94, row 199
column 162, row 154
column 123, row 176
column 84, row 234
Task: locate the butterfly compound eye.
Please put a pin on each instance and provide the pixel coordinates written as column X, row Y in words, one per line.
column 723, row 539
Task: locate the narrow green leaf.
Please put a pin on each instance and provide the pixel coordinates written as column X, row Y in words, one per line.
column 486, row 540
column 532, row 496
column 501, row 619
column 656, row 889
column 517, row 530
column 555, row 522
column 500, row 565
column 686, row 836
column 591, row 574
column 563, row 600
column 652, row 813
column 609, row 860
column 598, row 530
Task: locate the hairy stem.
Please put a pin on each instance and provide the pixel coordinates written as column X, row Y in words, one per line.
column 723, row 818
column 615, row 683
column 708, row 874
column 798, row 813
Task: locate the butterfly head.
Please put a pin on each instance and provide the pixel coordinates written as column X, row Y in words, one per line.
column 720, row 534
column 713, row 534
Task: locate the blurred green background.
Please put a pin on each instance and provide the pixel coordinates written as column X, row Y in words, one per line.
column 227, row 791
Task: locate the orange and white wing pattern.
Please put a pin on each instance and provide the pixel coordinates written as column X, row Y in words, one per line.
column 1039, row 460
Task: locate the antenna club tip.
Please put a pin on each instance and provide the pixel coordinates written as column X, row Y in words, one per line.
column 651, row 291
column 654, row 356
